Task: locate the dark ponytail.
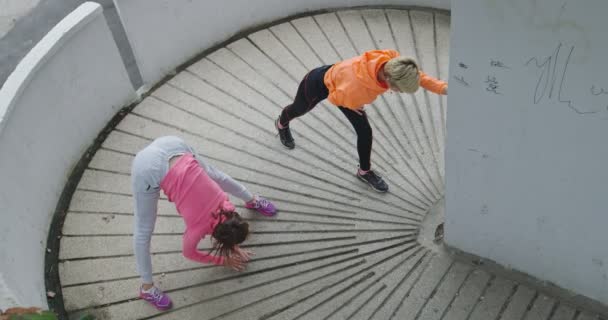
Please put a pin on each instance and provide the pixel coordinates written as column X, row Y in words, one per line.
column 231, row 232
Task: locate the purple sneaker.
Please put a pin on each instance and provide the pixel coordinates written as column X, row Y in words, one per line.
column 157, row 298
column 262, row 206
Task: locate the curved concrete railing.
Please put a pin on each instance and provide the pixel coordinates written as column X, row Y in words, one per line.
column 51, row 108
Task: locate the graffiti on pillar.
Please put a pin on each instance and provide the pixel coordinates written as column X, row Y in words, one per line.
column 550, row 83
column 498, row 64
column 460, row 78
column 462, row 81
column 492, row 85
column 550, row 54
column 553, row 79
column 491, row 82
column 598, row 91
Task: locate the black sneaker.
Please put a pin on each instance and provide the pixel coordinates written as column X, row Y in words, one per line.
column 374, row 180
column 285, row 135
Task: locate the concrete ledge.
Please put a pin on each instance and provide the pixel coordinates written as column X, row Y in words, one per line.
column 164, row 34
column 18, row 81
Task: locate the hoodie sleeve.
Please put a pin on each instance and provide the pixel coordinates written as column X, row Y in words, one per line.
column 190, row 242
column 432, row 84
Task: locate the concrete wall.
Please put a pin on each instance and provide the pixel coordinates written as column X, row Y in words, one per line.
column 166, row 33
column 51, row 108
column 526, row 156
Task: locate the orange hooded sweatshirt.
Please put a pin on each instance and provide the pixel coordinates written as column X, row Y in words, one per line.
column 354, row 82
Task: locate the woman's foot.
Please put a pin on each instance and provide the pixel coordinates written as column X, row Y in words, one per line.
column 156, row 297
column 285, row 135
column 374, row 180
column 262, row 206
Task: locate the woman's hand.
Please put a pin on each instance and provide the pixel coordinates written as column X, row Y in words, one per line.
column 238, row 259
column 234, row 263
column 244, row 255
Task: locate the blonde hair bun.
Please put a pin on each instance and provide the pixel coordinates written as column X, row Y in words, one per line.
column 402, row 72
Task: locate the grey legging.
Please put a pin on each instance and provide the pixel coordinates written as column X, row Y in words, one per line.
column 149, row 168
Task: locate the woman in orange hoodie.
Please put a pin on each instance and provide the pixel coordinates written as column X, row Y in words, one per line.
column 350, row 85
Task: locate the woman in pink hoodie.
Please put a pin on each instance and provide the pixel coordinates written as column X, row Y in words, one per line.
column 199, row 193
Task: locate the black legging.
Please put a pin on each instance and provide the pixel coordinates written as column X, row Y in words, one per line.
column 311, row 91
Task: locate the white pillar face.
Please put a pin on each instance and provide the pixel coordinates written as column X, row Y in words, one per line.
column 526, row 155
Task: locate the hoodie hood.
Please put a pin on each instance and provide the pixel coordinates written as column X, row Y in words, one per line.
column 367, row 66
column 354, row 82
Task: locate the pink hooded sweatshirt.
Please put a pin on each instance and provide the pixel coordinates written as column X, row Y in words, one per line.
column 199, row 200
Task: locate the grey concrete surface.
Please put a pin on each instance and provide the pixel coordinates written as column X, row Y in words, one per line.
column 336, row 250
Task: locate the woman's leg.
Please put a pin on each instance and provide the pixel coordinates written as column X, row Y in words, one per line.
column 235, row 188
column 226, row 182
column 364, row 148
column 364, row 136
column 311, row 91
column 145, row 218
column 146, row 197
